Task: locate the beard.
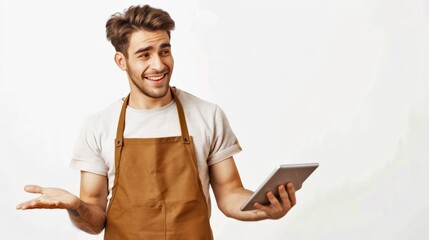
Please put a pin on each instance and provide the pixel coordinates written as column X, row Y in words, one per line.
column 149, row 90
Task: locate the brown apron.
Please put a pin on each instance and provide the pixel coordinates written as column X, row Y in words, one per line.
column 157, row 193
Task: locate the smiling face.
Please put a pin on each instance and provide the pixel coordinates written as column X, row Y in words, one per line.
column 149, row 64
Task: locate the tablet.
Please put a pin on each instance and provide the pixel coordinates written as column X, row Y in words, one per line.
column 283, row 174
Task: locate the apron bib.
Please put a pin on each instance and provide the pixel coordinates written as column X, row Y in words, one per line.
column 157, row 193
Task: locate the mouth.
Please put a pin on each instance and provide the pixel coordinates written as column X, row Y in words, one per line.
column 156, row 79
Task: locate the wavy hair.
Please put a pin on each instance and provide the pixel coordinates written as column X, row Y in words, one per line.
column 120, row 26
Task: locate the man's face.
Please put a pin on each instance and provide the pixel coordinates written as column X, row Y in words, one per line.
column 150, row 64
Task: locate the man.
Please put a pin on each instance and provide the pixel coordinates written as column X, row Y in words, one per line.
column 138, row 182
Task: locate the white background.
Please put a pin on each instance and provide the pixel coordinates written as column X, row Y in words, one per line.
column 342, row 83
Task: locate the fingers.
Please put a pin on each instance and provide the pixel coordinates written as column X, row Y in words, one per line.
column 49, row 198
column 274, row 204
column 264, row 208
column 34, row 203
column 284, row 196
column 28, row 204
column 33, row 189
column 278, row 207
column 274, row 210
column 291, row 194
column 39, row 203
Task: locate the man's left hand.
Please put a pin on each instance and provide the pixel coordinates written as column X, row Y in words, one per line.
column 279, row 207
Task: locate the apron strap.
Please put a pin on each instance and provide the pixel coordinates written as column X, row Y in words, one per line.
column 182, row 119
column 183, row 126
column 121, row 124
column 119, row 141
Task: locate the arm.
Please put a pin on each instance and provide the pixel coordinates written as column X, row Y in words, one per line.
column 230, row 195
column 90, row 215
column 87, row 213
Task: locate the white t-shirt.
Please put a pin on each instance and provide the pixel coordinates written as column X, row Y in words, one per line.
column 213, row 138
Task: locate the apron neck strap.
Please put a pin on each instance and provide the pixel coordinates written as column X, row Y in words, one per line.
column 182, row 119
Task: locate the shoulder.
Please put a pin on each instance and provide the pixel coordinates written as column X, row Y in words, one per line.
column 189, row 100
column 104, row 117
column 202, row 113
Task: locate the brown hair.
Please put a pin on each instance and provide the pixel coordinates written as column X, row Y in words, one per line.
column 120, row 26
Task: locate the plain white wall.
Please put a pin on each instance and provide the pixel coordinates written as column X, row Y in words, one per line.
column 342, row 83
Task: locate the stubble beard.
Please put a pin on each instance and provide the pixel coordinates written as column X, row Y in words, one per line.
column 149, row 92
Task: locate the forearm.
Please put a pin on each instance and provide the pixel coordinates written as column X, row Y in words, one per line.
column 88, row 218
column 231, row 203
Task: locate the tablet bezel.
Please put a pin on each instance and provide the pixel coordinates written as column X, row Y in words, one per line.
column 282, row 174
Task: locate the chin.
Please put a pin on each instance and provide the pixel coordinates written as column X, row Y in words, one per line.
column 156, row 92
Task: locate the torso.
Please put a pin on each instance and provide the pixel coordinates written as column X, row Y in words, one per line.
column 140, row 123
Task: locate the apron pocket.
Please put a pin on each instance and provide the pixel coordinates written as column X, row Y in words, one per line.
column 149, row 219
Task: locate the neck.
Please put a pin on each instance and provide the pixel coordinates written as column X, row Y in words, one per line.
column 142, row 101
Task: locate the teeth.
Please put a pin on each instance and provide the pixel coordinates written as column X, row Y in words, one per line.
column 155, row 78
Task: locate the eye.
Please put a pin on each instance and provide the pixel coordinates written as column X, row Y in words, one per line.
column 165, row 52
column 144, row 55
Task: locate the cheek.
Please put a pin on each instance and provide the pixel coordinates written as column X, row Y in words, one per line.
column 138, row 69
column 170, row 63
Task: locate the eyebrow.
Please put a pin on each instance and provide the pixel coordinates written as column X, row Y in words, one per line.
column 163, row 45
column 143, row 49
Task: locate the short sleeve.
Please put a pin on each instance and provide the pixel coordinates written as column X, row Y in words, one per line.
column 87, row 152
column 224, row 143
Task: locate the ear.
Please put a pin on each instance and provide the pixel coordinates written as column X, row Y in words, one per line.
column 120, row 60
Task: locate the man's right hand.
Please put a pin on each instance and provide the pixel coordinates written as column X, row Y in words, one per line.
column 50, row 198
column 87, row 212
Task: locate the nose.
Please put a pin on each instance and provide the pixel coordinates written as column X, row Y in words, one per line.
column 157, row 63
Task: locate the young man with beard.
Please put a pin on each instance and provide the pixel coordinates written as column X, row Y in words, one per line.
column 147, row 175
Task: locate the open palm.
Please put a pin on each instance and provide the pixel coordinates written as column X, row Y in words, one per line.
column 50, row 198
